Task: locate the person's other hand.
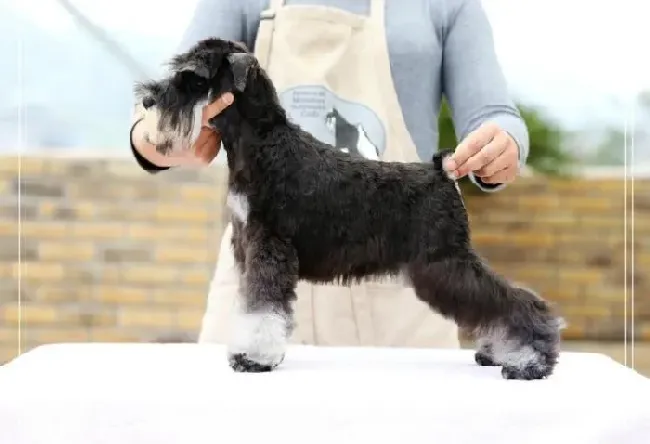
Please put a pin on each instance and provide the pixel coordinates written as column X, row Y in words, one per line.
column 489, row 152
column 204, row 149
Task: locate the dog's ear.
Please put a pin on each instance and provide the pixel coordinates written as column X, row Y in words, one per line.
column 241, row 64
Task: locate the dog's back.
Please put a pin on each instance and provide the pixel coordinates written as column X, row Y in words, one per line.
column 344, row 212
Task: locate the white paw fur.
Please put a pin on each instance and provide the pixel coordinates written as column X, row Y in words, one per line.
column 262, row 337
column 506, row 351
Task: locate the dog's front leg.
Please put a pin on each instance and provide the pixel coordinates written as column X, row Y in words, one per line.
column 264, row 316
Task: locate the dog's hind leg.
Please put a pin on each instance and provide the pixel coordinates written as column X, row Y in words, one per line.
column 515, row 327
column 264, row 317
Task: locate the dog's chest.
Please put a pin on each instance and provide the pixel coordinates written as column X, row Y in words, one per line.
column 238, row 204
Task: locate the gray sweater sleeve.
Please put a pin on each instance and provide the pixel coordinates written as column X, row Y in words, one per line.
column 473, row 82
column 215, row 18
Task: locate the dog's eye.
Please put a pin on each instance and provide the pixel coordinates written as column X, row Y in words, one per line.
column 192, row 81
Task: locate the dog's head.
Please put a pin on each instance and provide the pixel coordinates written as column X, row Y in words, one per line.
column 173, row 106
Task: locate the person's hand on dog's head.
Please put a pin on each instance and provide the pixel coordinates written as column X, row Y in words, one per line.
column 206, row 146
column 215, row 108
column 204, row 149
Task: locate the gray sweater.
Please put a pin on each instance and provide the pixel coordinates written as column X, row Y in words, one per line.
column 435, row 47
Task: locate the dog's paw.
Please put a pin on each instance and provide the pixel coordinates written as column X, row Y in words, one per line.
column 239, row 362
column 523, row 361
column 484, row 356
column 525, row 352
column 484, row 360
column 527, row 373
column 258, row 342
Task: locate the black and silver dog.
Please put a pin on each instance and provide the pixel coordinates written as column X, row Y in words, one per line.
column 303, row 210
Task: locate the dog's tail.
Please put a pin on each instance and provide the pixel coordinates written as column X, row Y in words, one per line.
column 438, row 160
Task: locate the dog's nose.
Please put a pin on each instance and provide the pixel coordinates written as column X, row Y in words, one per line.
column 148, row 102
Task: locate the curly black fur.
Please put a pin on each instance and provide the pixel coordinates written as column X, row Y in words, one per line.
column 303, row 210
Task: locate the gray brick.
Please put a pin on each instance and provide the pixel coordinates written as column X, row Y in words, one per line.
column 38, row 188
column 127, row 254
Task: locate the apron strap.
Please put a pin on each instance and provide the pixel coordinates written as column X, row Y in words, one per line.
column 264, row 39
column 377, row 10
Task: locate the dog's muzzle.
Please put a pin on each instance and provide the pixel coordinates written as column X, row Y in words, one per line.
column 166, row 138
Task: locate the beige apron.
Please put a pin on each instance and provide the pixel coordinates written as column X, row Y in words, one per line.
column 317, row 56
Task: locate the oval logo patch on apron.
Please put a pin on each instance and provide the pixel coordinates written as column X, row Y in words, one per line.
column 350, row 127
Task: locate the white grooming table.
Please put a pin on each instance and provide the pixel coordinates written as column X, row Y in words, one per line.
column 186, row 394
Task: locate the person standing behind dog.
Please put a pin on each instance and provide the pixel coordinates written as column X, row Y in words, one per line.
column 420, row 50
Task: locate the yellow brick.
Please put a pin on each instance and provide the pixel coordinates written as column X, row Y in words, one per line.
column 595, row 293
column 28, row 314
column 4, row 188
column 532, row 273
column 643, row 260
column 112, row 335
column 613, row 221
column 538, row 203
column 109, row 274
column 94, row 274
column 591, row 204
column 641, row 225
column 150, row 274
column 56, row 166
column 7, row 353
column 581, row 276
column 145, row 317
column 564, row 293
column 83, row 210
column 97, row 230
column 9, row 165
column 570, row 257
column 197, row 192
column 180, row 254
column 155, row 232
column 27, row 165
column 489, row 238
column 43, row 230
column 8, row 335
column 45, row 271
column 126, row 170
column 531, row 239
column 195, row 277
column 554, row 221
column 579, row 187
column 573, row 331
column 189, row 319
column 48, row 293
column 88, row 318
column 645, row 332
column 121, row 295
column 6, row 270
column 125, row 212
column 588, row 310
column 66, row 251
column 9, row 228
column 196, row 297
column 58, row 335
column 169, row 213
column 584, row 237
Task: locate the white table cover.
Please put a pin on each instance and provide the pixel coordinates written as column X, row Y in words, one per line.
column 186, row 394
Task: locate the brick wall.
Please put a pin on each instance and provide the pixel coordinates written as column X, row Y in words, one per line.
column 110, row 253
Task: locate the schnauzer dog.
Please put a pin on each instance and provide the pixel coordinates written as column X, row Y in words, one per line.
column 303, row 210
